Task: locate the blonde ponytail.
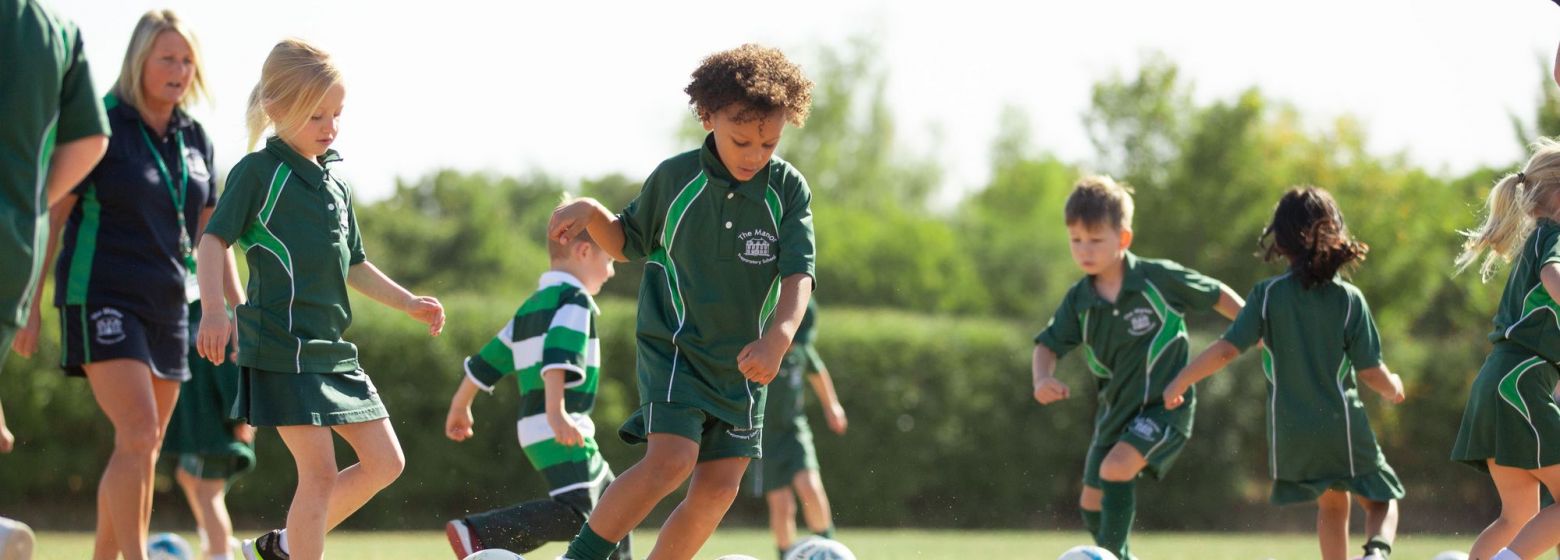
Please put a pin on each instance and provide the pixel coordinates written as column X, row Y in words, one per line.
column 1510, row 209
column 295, row 77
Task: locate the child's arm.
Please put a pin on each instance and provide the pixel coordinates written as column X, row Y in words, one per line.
column 1385, row 383
column 1209, row 362
column 588, row 214
column 369, row 281
column 833, row 412
column 215, row 328
column 26, row 341
column 1048, row 389
column 759, row 361
column 71, row 163
column 563, row 427
column 6, row 439
column 1229, row 304
column 458, row 424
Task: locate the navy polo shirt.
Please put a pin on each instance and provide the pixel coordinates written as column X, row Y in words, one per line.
column 121, row 245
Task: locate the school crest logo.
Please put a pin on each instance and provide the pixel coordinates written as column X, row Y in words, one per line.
column 109, row 326
column 743, row 434
column 1146, row 428
column 758, row 247
column 196, row 165
column 1141, row 321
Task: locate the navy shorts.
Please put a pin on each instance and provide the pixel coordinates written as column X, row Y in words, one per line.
column 92, row 333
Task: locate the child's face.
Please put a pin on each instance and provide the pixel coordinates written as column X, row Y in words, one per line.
column 1096, row 248
column 745, row 147
column 315, row 135
column 169, row 69
column 595, row 266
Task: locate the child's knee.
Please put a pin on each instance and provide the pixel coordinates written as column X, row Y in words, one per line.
column 390, row 467
column 719, row 491
column 669, row 468
column 1090, row 499
column 781, row 501
column 1115, row 469
column 1333, row 502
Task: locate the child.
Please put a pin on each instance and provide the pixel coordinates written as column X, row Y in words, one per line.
column 1511, row 414
column 1316, row 332
column 727, row 232
column 552, row 349
column 299, row 233
column 789, row 470
column 1128, row 315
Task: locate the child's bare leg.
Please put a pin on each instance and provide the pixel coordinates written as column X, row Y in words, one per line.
column 1542, row 532
column 314, row 452
column 380, row 462
column 815, row 502
column 1332, row 524
column 1381, row 519
column 668, row 461
column 782, row 516
column 714, row 487
column 1518, row 491
column 208, row 502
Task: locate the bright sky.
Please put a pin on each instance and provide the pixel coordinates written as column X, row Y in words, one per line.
column 582, row 89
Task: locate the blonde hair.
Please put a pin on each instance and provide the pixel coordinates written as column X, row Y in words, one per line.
column 152, row 25
column 1099, row 200
column 295, row 78
column 559, row 251
column 1510, row 209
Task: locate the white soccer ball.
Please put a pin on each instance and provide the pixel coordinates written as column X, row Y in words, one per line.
column 494, row 554
column 168, row 546
column 819, row 548
column 1086, row 553
column 16, row 540
column 736, row 557
column 1451, row 555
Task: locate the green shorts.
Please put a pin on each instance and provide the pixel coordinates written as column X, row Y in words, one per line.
column 1379, row 486
column 1510, row 412
column 786, row 453
column 1160, row 445
column 716, row 438
column 215, row 467
column 268, row 398
column 7, row 334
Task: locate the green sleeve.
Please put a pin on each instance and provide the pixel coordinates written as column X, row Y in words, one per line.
column 354, row 235
column 814, row 361
column 81, row 110
column 1186, row 288
column 642, row 218
column 797, row 251
column 494, row 361
column 239, row 204
column 1362, row 342
column 567, row 342
column 1249, row 326
column 1549, row 247
column 1065, row 331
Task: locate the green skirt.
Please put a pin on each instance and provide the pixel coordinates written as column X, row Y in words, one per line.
column 1511, row 415
column 267, row 398
column 1379, row 486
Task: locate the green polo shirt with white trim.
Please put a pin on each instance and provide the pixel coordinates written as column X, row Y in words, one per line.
column 1528, row 316
column 716, row 250
column 1135, row 346
column 46, row 98
column 296, row 226
column 1314, row 340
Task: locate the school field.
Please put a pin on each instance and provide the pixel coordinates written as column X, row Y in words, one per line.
column 867, row 544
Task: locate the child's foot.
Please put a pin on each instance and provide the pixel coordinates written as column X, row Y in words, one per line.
column 266, row 547
column 462, row 540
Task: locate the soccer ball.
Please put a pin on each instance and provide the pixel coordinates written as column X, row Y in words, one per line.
column 1451, row 555
column 1086, row 553
column 494, row 554
column 819, row 549
column 168, row 546
column 736, row 557
column 16, row 540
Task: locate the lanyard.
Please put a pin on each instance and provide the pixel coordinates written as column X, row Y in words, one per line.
column 178, row 194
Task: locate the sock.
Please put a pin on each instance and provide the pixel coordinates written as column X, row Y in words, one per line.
column 590, row 546
column 1091, row 521
column 1505, row 554
column 781, row 556
column 1378, row 546
column 281, row 539
column 1118, row 507
column 827, row 532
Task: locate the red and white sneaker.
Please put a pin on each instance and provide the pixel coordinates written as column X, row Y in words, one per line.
column 462, row 539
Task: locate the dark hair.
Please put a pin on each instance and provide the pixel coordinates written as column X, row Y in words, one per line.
column 759, row 79
column 1308, row 229
column 1098, row 200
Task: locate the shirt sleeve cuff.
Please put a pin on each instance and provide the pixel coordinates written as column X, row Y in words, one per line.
column 574, row 375
column 486, row 388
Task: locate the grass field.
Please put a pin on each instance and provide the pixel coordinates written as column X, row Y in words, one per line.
column 867, row 544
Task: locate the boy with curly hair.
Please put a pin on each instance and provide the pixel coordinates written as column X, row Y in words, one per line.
column 727, row 233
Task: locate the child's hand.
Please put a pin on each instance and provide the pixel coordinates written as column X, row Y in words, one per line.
column 458, row 425
column 1396, row 395
column 7, row 441
column 565, row 431
column 244, row 432
column 1051, row 390
column 568, row 220
column 427, row 310
column 835, row 415
column 26, row 341
column 759, row 361
column 212, row 338
column 1174, row 396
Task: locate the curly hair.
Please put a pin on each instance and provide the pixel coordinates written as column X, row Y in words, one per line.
column 759, row 79
column 1308, row 230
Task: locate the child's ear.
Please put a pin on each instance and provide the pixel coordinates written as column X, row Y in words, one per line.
column 708, row 120
column 1126, row 239
column 582, row 251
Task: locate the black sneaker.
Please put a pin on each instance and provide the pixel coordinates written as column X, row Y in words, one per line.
column 266, row 547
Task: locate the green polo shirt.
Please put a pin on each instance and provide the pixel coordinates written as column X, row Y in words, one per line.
column 787, row 393
column 46, row 99
column 716, row 250
column 1135, row 346
column 295, row 223
column 1313, row 342
column 1528, row 316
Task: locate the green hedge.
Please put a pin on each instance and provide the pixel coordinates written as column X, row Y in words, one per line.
column 943, row 431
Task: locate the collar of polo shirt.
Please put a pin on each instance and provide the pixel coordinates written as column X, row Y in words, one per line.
column 721, row 177
column 124, row 112
column 312, row 173
column 553, row 277
column 1131, row 281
